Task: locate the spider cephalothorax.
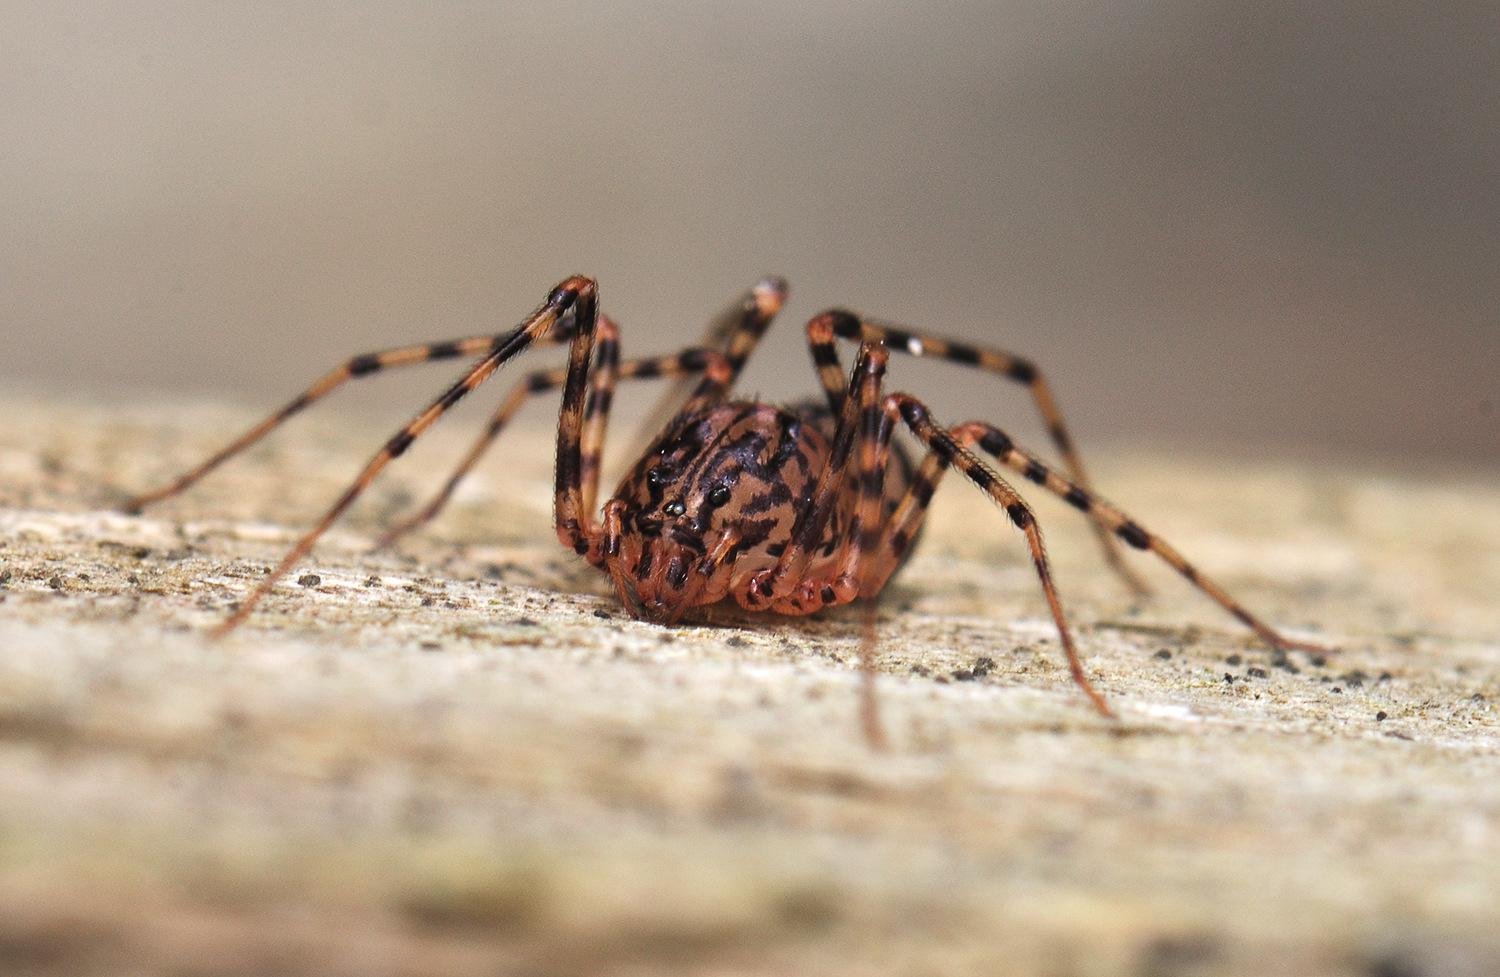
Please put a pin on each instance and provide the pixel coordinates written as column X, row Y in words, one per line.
column 783, row 509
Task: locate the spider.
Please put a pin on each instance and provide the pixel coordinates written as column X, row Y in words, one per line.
column 783, row 509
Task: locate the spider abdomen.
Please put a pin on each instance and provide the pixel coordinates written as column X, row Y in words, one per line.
column 735, row 475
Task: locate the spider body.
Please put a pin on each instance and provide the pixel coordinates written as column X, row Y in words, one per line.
column 782, row 509
column 730, row 480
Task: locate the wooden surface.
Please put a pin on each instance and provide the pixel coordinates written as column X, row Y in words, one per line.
column 461, row 757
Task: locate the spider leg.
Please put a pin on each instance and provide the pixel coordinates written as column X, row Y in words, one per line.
column 872, row 551
column 736, row 332
column 844, row 574
column 994, row 441
column 601, row 385
column 848, row 573
column 575, row 529
column 801, row 582
column 951, row 450
column 902, row 526
column 575, row 294
column 845, row 325
column 789, row 587
column 596, row 411
column 607, row 370
column 354, row 368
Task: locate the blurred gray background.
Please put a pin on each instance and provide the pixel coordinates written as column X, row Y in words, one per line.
column 1247, row 226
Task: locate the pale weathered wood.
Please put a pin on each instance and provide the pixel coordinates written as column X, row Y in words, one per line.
column 462, row 758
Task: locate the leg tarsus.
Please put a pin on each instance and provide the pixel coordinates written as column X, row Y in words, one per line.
column 1282, row 645
column 869, row 704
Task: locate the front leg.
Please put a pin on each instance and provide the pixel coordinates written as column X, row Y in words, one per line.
column 575, row 293
column 789, row 588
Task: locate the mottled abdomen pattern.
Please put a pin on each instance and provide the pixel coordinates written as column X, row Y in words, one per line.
column 738, row 474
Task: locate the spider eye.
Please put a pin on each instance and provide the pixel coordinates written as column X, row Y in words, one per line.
column 718, row 495
column 655, row 479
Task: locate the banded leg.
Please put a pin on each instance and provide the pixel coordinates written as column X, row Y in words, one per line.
column 790, row 587
column 902, row 527
column 872, row 551
column 845, row 574
column 575, row 294
column 607, row 370
column 845, row 325
column 949, row 448
column 994, row 441
column 799, row 584
column 736, row 332
column 354, row 368
column 605, row 363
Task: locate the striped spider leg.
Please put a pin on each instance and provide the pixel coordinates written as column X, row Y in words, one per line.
column 569, row 315
column 738, row 332
column 570, row 312
column 879, row 535
column 846, row 325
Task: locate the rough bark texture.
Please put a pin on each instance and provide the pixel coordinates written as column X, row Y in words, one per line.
column 461, row 757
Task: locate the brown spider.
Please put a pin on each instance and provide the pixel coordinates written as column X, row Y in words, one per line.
column 784, row 509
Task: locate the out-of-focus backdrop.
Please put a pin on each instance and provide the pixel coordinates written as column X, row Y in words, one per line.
column 1250, row 225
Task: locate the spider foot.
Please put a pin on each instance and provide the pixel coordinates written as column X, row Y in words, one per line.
column 1315, row 652
column 387, row 539
column 132, row 505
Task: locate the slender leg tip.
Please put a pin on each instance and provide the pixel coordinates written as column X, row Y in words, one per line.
column 772, row 285
column 387, row 539
column 135, row 504
column 237, row 617
column 768, row 295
